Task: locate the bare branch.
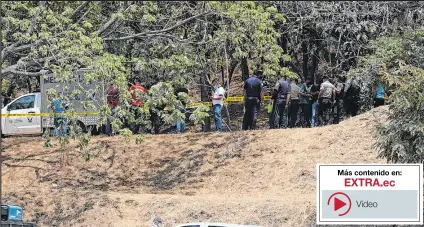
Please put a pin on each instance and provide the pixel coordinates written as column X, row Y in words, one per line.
column 83, row 16
column 14, row 49
column 159, row 31
column 31, row 74
column 15, row 68
column 113, row 19
column 79, row 9
column 174, row 38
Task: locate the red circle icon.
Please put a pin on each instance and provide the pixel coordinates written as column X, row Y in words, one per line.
column 338, row 204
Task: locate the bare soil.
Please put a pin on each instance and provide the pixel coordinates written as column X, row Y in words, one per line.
column 264, row 177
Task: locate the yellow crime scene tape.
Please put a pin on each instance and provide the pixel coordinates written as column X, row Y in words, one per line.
column 234, row 99
column 238, row 99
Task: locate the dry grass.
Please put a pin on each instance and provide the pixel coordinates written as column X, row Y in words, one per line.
column 258, row 177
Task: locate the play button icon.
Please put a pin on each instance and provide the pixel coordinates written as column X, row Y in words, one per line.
column 338, row 203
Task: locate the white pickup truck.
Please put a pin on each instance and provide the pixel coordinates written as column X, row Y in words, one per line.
column 30, row 114
column 205, row 224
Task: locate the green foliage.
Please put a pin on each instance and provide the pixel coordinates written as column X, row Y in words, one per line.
column 48, row 142
column 249, row 28
column 395, row 64
column 59, row 38
column 139, row 139
column 127, row 134
column 200, row 114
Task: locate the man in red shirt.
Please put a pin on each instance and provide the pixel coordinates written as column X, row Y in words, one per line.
column 136, row 89
column 112, row 101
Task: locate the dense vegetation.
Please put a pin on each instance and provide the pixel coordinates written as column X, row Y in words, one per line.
column 189, row 43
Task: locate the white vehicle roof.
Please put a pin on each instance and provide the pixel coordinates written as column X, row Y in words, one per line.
column 207, row 224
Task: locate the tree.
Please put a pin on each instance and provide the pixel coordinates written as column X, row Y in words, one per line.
column 163, row 42
column 396, row 63
column 327, row 38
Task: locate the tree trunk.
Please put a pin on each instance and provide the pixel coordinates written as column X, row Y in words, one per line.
column 223, row 77
column 244, row 69
column 204, row 97
column 315, row 64
column 227, row 86
column 305, row 59
column 234, row 64
column 28, row 80
column 283, row 44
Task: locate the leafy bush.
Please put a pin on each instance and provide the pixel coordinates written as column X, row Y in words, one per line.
column 397, row 62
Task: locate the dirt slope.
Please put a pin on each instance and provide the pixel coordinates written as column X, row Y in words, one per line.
column 258, row 177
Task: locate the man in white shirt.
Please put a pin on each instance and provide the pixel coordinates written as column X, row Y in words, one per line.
column 326, row 97
column 218, row 96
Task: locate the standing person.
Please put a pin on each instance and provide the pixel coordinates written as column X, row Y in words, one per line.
column 281, row 91
column 258, row 106
column 156, row 119
column 293, row 99
column 181, row 125
column 136, row 89
column 157, row 222
column 254, row 94
column 379, row 96
column 352, row 91
column 305, row 104
column 326, row 97
column 339, row 91
column 314, row 91
column 218, row 97
column 60, row 121
column 112, row 101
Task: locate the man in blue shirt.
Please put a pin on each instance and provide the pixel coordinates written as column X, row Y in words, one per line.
column 379, row 97
column 60, row 121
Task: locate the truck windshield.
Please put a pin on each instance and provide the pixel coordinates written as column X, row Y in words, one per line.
column 25, row 102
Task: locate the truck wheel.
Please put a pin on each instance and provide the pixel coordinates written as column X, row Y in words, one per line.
column 93, row 129
column 51, row 132
column 80, row 127
column 88, row 128
column 48, row 132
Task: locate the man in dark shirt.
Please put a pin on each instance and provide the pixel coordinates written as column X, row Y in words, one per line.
column 281, row 89
column 314, row 102
column 336, row 107
column 306, row 107
column 254, row 95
